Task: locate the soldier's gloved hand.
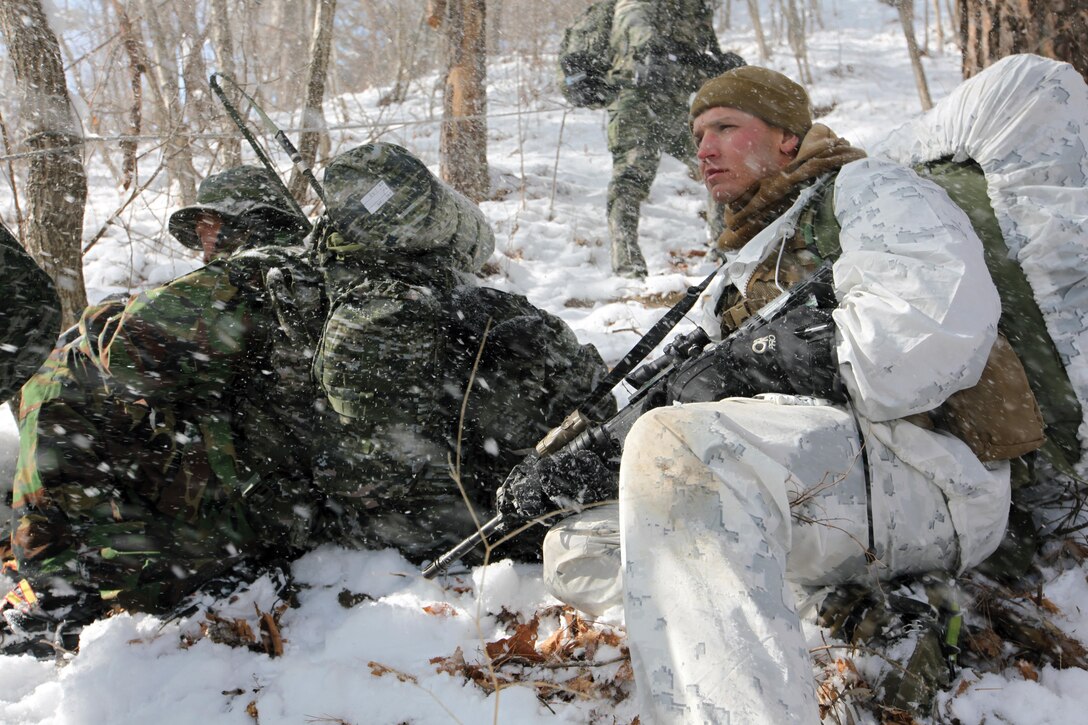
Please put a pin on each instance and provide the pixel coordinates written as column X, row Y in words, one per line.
column 562, row 480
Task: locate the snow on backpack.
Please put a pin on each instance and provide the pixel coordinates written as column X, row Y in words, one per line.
column 585, row 56
column 406, row 319
column 1024, row 123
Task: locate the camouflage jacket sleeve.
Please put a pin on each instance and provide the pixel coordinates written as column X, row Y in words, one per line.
column 29, row 319
column 186, row 338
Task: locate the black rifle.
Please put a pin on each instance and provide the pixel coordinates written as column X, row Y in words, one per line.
column 691, row 370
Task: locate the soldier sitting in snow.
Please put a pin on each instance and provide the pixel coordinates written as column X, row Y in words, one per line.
column 877, row 444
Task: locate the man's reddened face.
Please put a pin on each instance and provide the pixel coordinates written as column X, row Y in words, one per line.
column 208, row 225
column 738, row 150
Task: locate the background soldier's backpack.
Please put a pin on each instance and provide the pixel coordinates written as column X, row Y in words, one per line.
column 585, row 56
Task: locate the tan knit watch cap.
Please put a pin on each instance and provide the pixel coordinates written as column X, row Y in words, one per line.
column 764, row 93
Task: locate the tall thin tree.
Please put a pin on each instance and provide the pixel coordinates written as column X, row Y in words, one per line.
column 993, row 29
column 905, row 9
column 56, row 185
column 231, row 146
column 165, row 76
column 313, row 116
column 463, row 141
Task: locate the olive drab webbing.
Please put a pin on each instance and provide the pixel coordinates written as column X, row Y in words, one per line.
column 1021, row 324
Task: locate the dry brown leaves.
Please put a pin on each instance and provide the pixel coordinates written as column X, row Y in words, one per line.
column 440, row 609
column 237, row 632
column 839, row 686
column 377, row 669
column 1027, row 670
column 578, row 660
column 1017, row 625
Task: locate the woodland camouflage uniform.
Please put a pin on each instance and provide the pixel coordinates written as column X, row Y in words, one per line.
column 150, row 439
column 660, row 50
column 30, row 318
column 184, row 432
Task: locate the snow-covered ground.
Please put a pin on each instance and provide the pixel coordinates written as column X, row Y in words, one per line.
column 372, row 642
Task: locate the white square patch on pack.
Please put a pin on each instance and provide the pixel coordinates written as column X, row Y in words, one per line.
column 376, row 198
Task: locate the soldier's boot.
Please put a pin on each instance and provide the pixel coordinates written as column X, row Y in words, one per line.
column 50, row 627
column 627, row 260
column 914, row 631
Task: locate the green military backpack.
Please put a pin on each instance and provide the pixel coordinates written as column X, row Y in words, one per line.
column 432, row 377
column 585, row 56
column 439, row 387
column 1021, row 320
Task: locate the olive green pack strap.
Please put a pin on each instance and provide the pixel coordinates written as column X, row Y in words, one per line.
column 819, row 226
column 1022, row 320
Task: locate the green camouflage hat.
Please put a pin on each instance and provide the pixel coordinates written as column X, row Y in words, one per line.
column 384, row 200
column 244, row 196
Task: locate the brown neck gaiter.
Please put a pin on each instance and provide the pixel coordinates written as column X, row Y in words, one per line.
column 821, row 151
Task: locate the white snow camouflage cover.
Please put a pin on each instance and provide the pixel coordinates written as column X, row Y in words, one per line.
column 1024, row 120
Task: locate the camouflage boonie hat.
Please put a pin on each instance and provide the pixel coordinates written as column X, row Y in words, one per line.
column 383, row 199
column 243, row 196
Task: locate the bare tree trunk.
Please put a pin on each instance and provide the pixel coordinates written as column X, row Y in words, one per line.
column 494, row 26
column 166, row 74
column 925, row 27
column 231, row 146
column 939, row 26
column 795, row 32
column 136, row 69
column 56, row 182
column 463, row 142
column 906, row 19
column 757, row 25
column 313, row 117
column 198, row 104
column 406, row 41
column 993, row 29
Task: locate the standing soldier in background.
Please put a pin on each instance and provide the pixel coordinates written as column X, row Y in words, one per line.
column 29, row 319
column 662, row 50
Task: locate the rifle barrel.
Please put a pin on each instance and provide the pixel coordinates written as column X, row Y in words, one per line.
column 443, row 562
